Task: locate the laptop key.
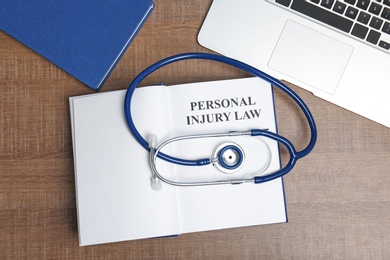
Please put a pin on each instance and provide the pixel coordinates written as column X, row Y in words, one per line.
column 364, row 17
column 384, row 45
column 339, row 7
column 352, row 2
column 363, row 4
column 351, row 12
column 284, row 2
column 375, row 8
column 376, row 23
column 322, row 15
column 386, row 13
column 386, row 28
column 359, row 31
column 373, row 37
column 327, row 3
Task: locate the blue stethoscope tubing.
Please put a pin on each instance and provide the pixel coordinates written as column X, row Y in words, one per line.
column 294, row 155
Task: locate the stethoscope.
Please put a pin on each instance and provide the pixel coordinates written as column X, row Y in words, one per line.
column 227, row 157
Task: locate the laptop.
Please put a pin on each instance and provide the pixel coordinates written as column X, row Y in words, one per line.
column 338, row 50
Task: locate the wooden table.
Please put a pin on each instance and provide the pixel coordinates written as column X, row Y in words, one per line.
column 338, row 198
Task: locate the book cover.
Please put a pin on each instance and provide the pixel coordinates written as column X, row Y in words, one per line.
column 84, row 38
column 115, row 200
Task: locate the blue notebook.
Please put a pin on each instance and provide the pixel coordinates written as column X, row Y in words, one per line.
column 84, row 38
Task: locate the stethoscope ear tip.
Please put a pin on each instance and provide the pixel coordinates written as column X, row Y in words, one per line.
column 156, row 183
column 152, row 140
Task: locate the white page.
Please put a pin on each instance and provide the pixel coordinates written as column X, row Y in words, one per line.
column 115, row 200
column 225, row 206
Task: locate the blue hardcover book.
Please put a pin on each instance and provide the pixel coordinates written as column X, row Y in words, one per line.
column 84, row 38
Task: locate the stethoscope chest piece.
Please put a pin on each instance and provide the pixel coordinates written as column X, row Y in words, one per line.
column 228, row 157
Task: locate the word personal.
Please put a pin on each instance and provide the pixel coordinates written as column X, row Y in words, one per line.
column 222, row 116
column 224, row 103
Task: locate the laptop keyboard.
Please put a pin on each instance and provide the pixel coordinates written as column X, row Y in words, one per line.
column 366, row 20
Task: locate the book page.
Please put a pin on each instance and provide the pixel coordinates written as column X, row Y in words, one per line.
column 115, row 201
column 221, row 106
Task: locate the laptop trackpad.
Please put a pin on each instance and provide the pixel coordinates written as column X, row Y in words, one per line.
column 310, row 57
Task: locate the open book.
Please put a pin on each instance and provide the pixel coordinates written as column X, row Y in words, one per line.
column 115, row 200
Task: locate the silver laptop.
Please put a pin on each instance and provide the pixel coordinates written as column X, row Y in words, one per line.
column 338, row 50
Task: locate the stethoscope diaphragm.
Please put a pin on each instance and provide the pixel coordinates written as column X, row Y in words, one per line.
column 228, row 157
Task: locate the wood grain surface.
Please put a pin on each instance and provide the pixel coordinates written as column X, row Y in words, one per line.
column 338, row 197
